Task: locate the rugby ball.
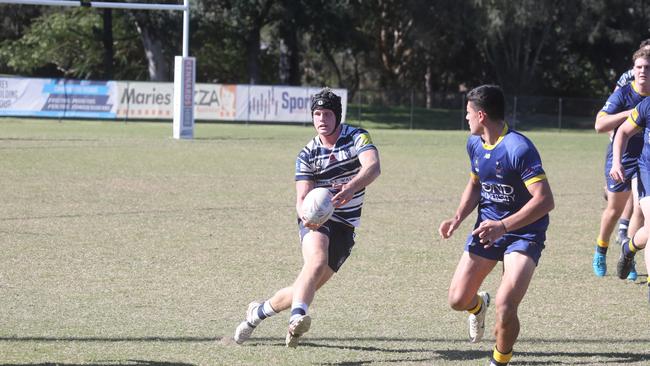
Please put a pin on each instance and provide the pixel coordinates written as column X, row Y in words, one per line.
column 317, row 206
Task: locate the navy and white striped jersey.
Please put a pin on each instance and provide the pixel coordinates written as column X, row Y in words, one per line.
column 626, row 78
column 325, row 167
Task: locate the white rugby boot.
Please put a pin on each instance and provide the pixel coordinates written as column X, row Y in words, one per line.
column 477, row 321
column 246, row 328
column 297, row 328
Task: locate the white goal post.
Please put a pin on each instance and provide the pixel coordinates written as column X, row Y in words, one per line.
column 185, row 66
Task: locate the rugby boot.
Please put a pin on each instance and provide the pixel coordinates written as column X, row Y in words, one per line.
column 477, row 321
column 297, row 328
column 246, row 328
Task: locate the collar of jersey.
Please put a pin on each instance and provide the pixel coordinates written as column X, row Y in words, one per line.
column 636, row 89
column 503, row 134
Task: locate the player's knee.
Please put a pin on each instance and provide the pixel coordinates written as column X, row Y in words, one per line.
column 316, row 266
column 457, row 301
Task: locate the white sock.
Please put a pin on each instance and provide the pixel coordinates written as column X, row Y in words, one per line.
column 298, row 309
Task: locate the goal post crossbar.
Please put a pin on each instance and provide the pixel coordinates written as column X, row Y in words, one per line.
column 184, row 74
column 99, row 4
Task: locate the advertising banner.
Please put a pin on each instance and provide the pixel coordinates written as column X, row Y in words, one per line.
column 279, row 103
column 127, row 100
column 57, row 98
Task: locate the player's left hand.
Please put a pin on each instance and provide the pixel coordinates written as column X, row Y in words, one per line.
column 344, row 195
column 308, row 224
column 489, row 231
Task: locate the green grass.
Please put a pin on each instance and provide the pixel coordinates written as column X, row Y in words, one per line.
column 122, row 246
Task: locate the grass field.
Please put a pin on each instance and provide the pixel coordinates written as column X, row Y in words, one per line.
column 122, row 246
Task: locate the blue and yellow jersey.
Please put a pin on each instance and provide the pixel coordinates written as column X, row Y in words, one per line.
column 338, row 165
column 639, row 118
column 504, row 171
column 625, row 98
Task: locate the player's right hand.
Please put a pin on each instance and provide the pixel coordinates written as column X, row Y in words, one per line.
column 617, row 172
column 447, row 228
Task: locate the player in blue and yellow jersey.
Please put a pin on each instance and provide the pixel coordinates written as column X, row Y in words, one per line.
column 628, row 76
column 345, row 160
column 637, row 125
column 612, row 115
column 509, row 186
column 624, row 222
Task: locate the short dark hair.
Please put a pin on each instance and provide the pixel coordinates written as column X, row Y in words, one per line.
column 489, row 99
column 326, row 99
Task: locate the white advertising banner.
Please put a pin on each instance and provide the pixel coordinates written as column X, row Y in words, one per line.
column 279, row 103
column 63, row 98
column 143, row 100
column 57, row 98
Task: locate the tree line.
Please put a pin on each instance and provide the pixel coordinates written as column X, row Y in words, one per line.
column 545, row 47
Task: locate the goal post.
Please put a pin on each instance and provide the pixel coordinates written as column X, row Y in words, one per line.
column 184, row 66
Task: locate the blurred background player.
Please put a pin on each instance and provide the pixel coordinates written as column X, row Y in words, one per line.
column 343, row 159
column 624, row 222
column 636, row 123
column 615, row 111
column 509, row 186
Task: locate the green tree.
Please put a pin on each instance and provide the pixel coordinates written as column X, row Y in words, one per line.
column 69, row 42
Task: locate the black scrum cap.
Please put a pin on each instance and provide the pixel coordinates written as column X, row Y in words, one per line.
column 326, row 99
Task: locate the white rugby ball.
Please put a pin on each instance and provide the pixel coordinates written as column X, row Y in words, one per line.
column 317, row 206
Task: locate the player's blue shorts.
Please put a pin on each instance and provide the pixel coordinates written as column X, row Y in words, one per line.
column 643, row 181
column 341, row 241
column 630, row 166
column 506, row 244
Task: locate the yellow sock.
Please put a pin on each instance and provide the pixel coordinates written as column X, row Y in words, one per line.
column 601, row 246
column 478, row 306
column 500, row 359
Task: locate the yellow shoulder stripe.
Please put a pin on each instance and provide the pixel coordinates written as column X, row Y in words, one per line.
column 535, row 179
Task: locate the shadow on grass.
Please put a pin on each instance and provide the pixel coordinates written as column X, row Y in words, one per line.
column 552, row 358
column 528, row 358
column 105, row 363
column 424, row 352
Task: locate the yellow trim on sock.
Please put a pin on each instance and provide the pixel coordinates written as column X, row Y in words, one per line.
column 601, row 243
column 476, row 308
column 630, row 244
column 501, row 357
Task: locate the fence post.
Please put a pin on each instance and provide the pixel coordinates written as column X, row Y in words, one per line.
column 412, row 96
column 559, row 115
column 462, row 111
column 514, row 114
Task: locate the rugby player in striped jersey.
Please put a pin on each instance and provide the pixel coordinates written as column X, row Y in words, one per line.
column 345, row 160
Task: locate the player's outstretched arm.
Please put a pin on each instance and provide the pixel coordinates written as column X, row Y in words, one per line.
column 608, row 122
column 370, row 170
column 468, row 201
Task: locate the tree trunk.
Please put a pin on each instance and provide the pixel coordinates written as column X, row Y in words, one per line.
column 253, row 56
column 107, row 40
column 157, row 64
column 428, row 85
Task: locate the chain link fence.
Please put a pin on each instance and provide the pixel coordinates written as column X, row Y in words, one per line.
column 446, row 111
